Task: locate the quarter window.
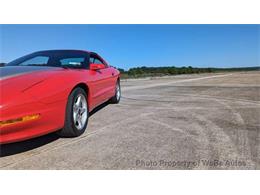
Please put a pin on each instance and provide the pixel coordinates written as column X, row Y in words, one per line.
column 97, row 61
column 91, row 60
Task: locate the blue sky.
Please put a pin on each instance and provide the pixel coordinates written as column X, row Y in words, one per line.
column 128, row 46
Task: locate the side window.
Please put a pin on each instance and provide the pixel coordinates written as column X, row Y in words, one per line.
column 97, row 61
column 91, row 60
column 72, row 61
column 38, row 60
column 94, row 59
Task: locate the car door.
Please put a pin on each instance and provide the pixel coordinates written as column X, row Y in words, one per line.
column 102, row 84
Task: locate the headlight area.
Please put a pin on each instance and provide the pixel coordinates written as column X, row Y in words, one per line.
column 19, row 120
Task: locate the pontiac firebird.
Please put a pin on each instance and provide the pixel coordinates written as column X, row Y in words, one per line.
column 53, row 90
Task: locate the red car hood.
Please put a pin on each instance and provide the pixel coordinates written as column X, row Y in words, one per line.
column 16, row 79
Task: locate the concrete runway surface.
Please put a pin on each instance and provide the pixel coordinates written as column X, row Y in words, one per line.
column 200, row 121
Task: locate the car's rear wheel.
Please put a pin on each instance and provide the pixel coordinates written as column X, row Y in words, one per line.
column 77, row 114
column 116, row 98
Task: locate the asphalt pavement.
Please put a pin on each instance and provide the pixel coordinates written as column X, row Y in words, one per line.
column 200, row 121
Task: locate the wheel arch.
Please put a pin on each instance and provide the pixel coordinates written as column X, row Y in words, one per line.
column 85, row 87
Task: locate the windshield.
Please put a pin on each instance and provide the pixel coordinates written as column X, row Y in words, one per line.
column 55, row 58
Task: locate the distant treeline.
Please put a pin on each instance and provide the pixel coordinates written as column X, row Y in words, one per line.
column 171, row 70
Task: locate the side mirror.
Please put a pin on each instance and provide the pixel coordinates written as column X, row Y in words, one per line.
column 96, row 66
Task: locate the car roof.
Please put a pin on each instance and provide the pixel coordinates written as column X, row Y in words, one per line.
column 67, row 50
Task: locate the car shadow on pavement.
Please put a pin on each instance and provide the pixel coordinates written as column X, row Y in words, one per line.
column 23, row 146
column 98, row 108
column 19, row 147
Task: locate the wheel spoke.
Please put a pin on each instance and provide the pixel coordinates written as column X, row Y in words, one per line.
column 82, row 111
column 78, row 101
column 79, row 123
column 75, row 108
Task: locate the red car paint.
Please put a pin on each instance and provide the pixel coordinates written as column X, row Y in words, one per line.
column 46, row 92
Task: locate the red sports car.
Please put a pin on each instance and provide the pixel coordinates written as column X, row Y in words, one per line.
column 53, row 90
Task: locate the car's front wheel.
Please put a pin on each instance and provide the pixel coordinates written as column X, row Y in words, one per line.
column 77, row 114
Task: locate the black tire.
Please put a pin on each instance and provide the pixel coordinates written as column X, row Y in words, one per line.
column 116, row 99
column 70, row 129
